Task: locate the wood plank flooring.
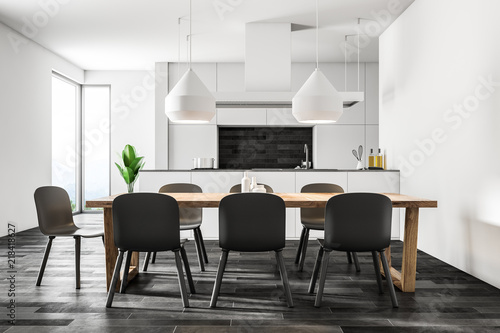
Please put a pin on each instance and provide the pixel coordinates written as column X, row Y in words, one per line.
column 251, row 299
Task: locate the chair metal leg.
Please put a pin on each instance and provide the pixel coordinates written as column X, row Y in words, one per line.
column 78, row 245
column 389, row 279
column 349, row 257
column 317, row 266
column 202, row 245
column 102, row 237
column 146, row 261
column 284, row 278
column 125, row 272
column 377, row 272
column 188, row 270
column 356, row 262
column 301, row 242
column 44, row 260
column 153, row 259
column 198, row 249
column 180, row 275
column 304, row 251
column 114, row 280
column 218, row 278
column 322, row 278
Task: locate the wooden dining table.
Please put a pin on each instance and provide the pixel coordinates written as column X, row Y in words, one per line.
column 403, row 279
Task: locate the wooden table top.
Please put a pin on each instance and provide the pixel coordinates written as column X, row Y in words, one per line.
column 292, row 200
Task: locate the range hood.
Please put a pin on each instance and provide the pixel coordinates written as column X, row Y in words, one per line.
column 268, row 71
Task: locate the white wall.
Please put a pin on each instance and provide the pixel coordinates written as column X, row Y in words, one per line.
column 132, row 115
column 440, row 123
column 25, row 124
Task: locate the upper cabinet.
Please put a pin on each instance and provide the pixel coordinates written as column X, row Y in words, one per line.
column 230, row 77
column 371, row 93
column 241, row 116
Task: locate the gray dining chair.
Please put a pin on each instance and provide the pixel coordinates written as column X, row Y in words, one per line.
column 237, row 188
column 356, row 222
column 55, row 219
column 190, row 219
column 314, row 219
column 251, row 222
column 146, row 222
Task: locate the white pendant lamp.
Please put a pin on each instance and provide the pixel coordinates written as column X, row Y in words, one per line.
column 190, row 101
column 317, row 102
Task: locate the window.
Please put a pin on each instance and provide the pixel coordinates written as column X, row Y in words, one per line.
column 95, row 145
column 80, row 140
column 65, row 151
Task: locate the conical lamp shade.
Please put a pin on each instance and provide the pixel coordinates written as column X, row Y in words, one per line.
column 317, row 102
column 190, row 101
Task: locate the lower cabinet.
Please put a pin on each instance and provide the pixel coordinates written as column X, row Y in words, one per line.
column 281, row 182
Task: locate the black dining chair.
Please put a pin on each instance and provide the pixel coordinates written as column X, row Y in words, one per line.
column 146, row 222
column 314, row 219
column 55, row 219
column 356, row 222
column 251, row 222
column 190, row 219
column 237, row 188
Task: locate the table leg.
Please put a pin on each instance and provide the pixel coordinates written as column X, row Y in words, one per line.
column 111, row 252
column 405, row 280
column 409, row 265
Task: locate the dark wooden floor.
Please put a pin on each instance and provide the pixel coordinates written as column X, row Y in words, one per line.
column 446, row 299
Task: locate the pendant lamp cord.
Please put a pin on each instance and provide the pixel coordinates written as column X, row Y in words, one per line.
column 317, row 36
column 178, row 48
column 345, row 64
column 190, row 37
column 359, row 28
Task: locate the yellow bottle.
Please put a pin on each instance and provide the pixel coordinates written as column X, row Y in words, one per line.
column 378, row 159
column 371, row 159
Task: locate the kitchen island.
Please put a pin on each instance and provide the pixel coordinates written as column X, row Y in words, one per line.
column 281, row 180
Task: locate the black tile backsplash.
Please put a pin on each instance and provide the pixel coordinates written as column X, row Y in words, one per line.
column 263, row 147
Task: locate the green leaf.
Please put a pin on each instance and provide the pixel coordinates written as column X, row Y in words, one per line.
column 128, row 175
column 128, row 155
column 136, row 164
column 119, row 168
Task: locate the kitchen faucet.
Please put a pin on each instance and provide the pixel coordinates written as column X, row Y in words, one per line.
column 306, row 150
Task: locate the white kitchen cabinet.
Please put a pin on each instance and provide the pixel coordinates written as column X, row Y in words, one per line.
column 188, row 141
column 281, row 117
column 333, row 145
column 214, row 182
column 241, row 116
column 378, row 181
column 371, row 93
column 151, row 181
column 230, row 76
column 281, row 182
column 303, row 178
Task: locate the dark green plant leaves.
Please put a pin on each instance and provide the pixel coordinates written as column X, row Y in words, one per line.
column 131, row 164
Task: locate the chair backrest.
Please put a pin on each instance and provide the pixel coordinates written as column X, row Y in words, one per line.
column 252, row 222
column 146, row 222
column 186, row 215
column 237, row 188
column 53, row 208
column 358, row 222
column 317, row 214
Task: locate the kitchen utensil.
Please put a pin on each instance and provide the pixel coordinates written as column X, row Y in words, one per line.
column 360, row 152
column 355, row 153
column 203, row 163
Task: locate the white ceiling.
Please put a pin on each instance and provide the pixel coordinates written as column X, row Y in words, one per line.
column 134, row 34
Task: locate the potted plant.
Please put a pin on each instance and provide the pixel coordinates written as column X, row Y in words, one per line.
column 131, row 166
